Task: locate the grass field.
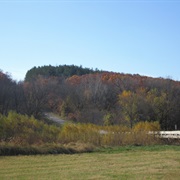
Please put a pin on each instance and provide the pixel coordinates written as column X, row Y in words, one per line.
column 154, row 162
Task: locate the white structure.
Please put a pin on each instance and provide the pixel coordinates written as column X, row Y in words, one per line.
column 167, row 134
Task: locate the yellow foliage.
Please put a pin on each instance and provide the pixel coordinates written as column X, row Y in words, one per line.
column 22, row 129
column 147, row 126
column 126, row 94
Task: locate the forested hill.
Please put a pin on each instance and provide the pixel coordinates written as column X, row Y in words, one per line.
column 58, row 71
column 84, row 95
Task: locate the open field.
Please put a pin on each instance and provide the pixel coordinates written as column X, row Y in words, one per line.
column 154, row 162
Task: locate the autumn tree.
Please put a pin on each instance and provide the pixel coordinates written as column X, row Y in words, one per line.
column 7, row 86
column 128, row 103
column 35, row 93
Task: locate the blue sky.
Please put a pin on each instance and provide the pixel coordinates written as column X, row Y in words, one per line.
column 136, row 37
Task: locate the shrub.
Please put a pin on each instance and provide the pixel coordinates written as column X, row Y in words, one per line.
column 147, row 126
column 22, row 129
column 104, row 135
column 13, row 149
column 85, row 133
column 108, row 119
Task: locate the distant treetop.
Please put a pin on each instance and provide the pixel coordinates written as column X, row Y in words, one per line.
column 58, row 71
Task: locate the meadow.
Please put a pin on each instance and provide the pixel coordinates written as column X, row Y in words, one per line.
column 129, row 162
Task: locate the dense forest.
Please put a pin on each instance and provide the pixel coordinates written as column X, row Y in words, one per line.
column 58, row 71
column 93, row 96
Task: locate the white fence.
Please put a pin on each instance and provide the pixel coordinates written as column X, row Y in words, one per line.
column 166, row 134
column 160, row 134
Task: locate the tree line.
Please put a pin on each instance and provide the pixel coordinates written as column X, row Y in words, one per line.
column 103, row 98
column 58, row 71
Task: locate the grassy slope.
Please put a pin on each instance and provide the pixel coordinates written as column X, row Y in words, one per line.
column 160, row 162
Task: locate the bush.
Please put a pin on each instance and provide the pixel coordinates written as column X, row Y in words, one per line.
column 22, row 129
column 108, row 119
column 13, row 149
column 84, row 133
column 105, row 135
column 147, row 126
column 24, row 134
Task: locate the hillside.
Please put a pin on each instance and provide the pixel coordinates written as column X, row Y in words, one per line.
column 99, row 97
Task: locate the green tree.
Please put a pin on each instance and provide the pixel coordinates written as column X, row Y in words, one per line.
column 108, row 119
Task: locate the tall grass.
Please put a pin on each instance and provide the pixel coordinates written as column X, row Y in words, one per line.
column 112, row 136
column 21, row 129
column 18, row 130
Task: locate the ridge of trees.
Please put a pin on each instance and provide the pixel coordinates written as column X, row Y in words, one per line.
column 58, row 71
column 101, row 98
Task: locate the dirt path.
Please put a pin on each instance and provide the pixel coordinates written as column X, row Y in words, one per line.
column 54, row 118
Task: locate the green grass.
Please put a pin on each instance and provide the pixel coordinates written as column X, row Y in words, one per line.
column 153, row 162
column 151, row 148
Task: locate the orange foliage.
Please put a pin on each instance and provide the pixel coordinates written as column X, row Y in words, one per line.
column 74, row 80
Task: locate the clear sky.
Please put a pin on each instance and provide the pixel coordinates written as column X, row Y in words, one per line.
column 128, row 36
